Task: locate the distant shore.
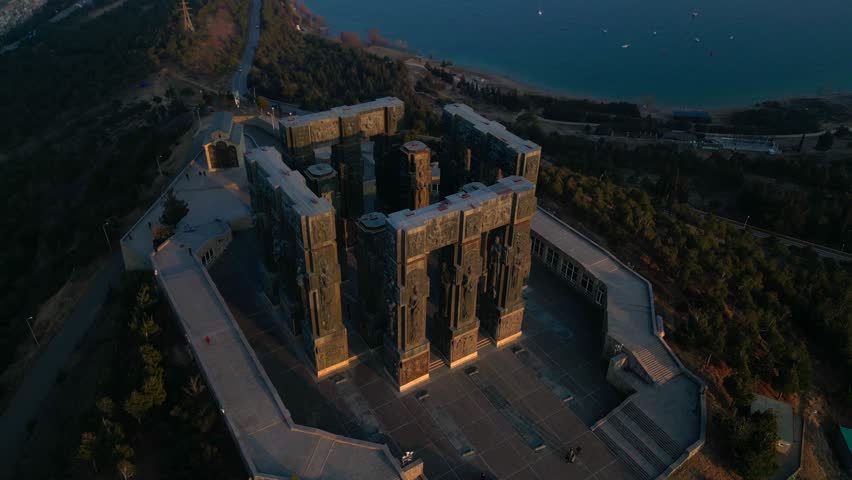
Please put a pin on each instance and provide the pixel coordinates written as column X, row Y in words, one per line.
column 507, row 83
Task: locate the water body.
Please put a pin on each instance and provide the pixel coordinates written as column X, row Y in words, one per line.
column 780, row 48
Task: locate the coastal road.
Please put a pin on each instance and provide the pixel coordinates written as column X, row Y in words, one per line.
column 240, row 82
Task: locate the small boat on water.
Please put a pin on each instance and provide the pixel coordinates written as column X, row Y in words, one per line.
column 731, row 37
column 540, row 12
column 655, row 33
column 694, row 14
column 697, row 40
column 626, row 45
column 605, row 31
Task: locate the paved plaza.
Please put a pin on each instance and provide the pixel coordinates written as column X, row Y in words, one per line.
column 511, row 413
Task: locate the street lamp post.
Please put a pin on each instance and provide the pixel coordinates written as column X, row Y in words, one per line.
column 159, row 168
column 31, row 329
column 106, row 235
column 745, row 225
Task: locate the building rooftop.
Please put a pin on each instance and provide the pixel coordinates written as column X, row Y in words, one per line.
column 489, row 127
column 272, row 446
column 219, row 195
column 344, row 111
column 408, row 219
column 630, row 308
column 290, row 181
column 221, row 120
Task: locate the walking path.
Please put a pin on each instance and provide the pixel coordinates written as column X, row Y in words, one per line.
column 35, row 387
column 42, row 376
column 271, row 444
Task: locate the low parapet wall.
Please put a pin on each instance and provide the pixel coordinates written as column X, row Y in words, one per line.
column 655, row 329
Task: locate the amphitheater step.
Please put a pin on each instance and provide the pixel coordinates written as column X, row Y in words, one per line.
column 640, row 469
column 642, row 443
column 649, row 427
column 483, row 342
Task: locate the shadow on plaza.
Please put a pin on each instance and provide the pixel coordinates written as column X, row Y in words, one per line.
column 511, row 413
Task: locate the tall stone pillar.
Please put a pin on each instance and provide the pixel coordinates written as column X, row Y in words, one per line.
column 348, row 160
column 386, row 157
column 323, row 181
column 371, row 255
column 457, row 328
column 407, row 352
column 508, row 263
column 455, row 167
column 415, row 175
column 319, row 280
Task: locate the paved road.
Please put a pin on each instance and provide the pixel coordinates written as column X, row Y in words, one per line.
column 42, row 375
column 240, row 81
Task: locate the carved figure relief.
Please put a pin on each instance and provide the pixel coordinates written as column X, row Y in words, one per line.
column 447, row 283
column 415, row 243
column 324, row 130
column 372, row 123
column 415, row 320
column 468, row 284
column 414, row 369
column 320, row 229
column 324, row 295
column 471, row 225
column 494, row 261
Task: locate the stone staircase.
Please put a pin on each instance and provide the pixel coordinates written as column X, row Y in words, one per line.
column 638, row 441
column 435, row 362
column 656, row 362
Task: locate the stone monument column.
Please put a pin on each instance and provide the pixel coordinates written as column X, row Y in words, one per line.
column 371, row 255
column 416, row 175
column 386, row 157
column 348, row 160
column 508, row 267
column 319, row 281
column 457, row 327
column 455, row 167
column 407, row 352
column 324, row 182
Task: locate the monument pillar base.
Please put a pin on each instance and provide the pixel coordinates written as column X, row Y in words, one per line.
column 408, row 368
column 459, row 345
column 507, row 326
column 328, row 353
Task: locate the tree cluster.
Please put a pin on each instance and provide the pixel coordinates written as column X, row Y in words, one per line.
column 760, row 308
column 79, row 156
column 147, row 399
column 217, row 43
column 318, row 74
column 756, row 306
column 800, row 195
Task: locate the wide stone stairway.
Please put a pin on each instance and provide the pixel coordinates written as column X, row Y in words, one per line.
column 638, row 441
